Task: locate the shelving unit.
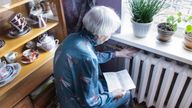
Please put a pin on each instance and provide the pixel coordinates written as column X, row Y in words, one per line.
column 27, row 69
column 12, row 44
column 31, row 75
column 10, row 4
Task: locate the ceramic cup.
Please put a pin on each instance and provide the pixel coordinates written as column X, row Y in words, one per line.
column 29, row 56
column 11, row 57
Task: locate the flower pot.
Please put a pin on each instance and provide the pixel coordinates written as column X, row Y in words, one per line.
column 188, row 41
column 164, row 35
column 140, row 30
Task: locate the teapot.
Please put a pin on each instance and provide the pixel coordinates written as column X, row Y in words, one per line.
column 45, row 38
column 47, row 43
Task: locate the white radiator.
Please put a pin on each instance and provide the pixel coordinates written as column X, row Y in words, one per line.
column 161, row 83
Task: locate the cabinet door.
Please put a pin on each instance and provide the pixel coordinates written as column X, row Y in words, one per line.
column 25, row 103
column 45, row 98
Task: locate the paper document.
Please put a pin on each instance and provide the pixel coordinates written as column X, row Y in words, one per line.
column 119, row 80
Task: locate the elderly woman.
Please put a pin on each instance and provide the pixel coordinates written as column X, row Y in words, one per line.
column 76, row 64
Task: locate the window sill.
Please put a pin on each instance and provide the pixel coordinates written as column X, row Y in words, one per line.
column 173, row 49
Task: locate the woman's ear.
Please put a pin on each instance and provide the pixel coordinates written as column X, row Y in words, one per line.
column 100, row 38
column 103, row 38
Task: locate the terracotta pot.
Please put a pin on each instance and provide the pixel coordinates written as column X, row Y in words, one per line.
column 188, row 41
column 164, row 36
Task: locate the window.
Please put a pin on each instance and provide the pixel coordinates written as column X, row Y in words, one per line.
column 171, row 7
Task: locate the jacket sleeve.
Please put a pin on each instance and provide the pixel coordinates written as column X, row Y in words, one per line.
column 104, row 57
column 89, row 85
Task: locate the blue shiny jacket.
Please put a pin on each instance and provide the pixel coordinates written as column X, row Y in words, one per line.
column 76, row 72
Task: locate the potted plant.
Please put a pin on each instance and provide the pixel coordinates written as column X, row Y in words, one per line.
column 142, row 15
column 188, row 36
column 168, row 28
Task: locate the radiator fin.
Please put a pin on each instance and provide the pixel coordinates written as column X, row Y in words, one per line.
column 154, row 83
column 187, row 98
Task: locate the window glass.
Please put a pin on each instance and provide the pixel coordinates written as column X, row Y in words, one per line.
column 171, row 7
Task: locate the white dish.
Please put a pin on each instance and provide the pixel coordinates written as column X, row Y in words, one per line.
column 14, row 70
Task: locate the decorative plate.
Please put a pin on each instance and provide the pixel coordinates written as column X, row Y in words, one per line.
column 14, row 70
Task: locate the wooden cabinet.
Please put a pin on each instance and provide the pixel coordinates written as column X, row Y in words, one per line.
column 45, row 97
column 16, row 93
column 25, row 103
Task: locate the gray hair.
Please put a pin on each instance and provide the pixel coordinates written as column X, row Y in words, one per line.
column 101, row 21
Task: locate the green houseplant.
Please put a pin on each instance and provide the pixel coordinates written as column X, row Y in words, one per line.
column 188, row 34
column 168, row 28
column 142, row 12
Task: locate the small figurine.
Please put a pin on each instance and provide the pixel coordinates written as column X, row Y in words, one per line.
column 39, row 21
column 36, row 9
column 40, row 7
column 45, row 6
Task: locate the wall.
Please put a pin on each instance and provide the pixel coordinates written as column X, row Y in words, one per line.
column 115, row 4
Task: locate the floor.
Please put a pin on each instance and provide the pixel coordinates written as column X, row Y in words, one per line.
column 140, row 106
column 54, row 104
column 137, row 105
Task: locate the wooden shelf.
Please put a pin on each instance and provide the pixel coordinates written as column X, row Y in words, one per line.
column 9, row 4
column 34, row 74
column 12, row 44
column 26, row 70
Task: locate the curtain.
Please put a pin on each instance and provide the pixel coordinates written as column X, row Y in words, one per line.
column 74, row 12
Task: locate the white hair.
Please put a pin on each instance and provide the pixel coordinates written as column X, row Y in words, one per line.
column 101, row 21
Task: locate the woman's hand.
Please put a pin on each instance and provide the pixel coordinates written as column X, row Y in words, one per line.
column 128, row 53
column 117, row 94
